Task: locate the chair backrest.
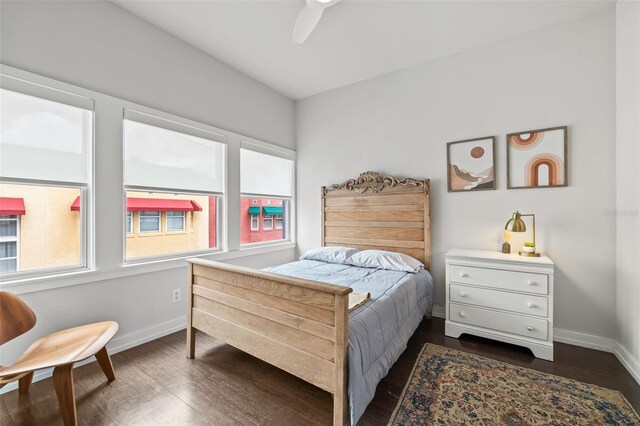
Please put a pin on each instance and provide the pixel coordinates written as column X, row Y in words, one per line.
column 16, row 317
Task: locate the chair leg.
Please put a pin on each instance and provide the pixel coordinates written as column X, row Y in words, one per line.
column 24, row 383
column 63, row 384
column 105, row 362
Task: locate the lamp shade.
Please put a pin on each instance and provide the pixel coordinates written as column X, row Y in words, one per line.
column 516, row 224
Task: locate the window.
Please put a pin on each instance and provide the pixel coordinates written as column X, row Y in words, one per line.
column 45, row 151
column 269, row 180
column 255, row 222
column 129, row 222
column 173, row 174
column 175, row 221
column 8, row 243
column 149, row 221
column 267, row 222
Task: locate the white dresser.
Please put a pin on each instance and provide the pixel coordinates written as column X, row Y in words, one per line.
column 505, row 297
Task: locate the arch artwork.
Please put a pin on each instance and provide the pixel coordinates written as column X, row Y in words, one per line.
column 544, row 170
column 525, row 140
column 537, row 158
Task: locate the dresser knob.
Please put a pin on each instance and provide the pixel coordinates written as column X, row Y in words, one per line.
column 462, row 314
column 463, row 294
column 531, row 282
column 463, row 274
column 530, row 328
column 530, row 305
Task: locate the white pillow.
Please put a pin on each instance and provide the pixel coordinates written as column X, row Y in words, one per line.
column 329, row 254
column 381, row 259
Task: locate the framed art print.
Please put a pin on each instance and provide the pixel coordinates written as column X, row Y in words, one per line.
column 471, row 165
column 537, row 158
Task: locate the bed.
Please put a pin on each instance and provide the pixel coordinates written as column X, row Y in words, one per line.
column 296, row 316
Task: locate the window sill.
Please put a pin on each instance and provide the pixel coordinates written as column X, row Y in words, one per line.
column 264, row 244
column 150, row 234
column 80, row 277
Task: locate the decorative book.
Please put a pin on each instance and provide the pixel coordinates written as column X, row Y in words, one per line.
column 357, row 299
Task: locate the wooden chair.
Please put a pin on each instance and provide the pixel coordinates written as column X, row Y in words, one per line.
column 58, row 350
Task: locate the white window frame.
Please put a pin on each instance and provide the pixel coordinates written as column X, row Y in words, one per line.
column 288, row 203
column 265, row 218
column 278, row 221
column 141, row 215
column 192, row 128
column 184, row 221
column 11, row 239
column 129, row 216
column 50, row 90
column 102, row 184
column 255, row 222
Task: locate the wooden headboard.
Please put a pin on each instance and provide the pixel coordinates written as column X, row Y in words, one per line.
column 380, row 213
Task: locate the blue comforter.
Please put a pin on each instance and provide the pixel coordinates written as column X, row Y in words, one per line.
column 378, row 330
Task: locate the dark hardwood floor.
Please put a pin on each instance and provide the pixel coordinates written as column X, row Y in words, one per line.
column 157, row 385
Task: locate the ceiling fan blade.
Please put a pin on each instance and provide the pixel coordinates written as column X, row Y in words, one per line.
column 305, row 23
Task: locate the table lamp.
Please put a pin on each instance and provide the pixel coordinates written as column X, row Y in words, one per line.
column 516, row 224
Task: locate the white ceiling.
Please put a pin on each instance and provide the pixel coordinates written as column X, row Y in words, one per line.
column 355, row 40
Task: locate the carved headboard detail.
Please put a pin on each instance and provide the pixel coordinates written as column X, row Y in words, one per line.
column 373, row 182
column 379, row 212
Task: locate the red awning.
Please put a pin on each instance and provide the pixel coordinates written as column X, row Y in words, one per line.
column 153, row 204
column 11, row 206
column 163, row 205
column 75, row 207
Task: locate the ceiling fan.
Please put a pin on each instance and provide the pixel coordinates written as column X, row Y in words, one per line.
column 309, row 17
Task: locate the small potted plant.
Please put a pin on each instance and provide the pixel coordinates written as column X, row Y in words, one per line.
column 529, row 247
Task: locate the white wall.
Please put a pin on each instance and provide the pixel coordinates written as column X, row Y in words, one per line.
column 628, row 183
column 97, row 45
column 399, row 124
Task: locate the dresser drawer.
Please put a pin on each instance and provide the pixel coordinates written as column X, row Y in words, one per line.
column 508, row 280
column 500, row 321
column 521, row 303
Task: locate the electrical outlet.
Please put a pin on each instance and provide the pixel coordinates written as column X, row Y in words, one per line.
column 175, row 295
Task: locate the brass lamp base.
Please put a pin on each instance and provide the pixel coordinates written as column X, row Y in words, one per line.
column 522, row 253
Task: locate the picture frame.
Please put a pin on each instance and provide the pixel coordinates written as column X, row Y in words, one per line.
column 471, row 165
column 537, row 158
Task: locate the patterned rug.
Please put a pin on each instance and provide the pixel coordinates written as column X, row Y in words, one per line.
column 449, row 387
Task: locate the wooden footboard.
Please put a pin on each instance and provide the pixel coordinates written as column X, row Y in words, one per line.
column 300, row 326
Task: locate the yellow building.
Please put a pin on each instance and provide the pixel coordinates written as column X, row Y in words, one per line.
column 159, row 223
column 45, row 234
column 40, row 226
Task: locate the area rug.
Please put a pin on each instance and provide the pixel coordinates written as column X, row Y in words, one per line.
column 449, row 387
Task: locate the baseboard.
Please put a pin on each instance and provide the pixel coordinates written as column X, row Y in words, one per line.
column 139, row 337
column 590, row 341
column 118, row 344
column 439, row 311
column 631, row 363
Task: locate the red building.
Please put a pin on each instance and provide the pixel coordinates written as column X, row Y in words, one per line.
column 262, row 219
